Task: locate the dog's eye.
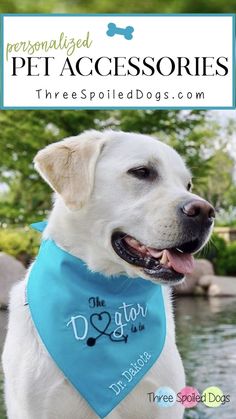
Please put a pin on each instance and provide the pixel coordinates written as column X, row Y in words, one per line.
column 189, row 186
column 143, row 172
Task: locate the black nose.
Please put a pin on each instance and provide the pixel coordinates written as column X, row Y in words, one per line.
column 199, row 210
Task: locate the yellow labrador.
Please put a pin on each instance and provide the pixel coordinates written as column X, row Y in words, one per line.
column 123, row 204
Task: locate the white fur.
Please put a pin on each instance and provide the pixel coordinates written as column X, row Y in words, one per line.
column 111, row 199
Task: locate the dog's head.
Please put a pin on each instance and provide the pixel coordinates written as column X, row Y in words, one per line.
column 128, row 201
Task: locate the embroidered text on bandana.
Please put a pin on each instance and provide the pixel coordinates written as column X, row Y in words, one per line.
column 103, row 333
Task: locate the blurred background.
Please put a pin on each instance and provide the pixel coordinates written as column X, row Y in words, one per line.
column 206, row 140
column 116, row 6
column 205, row 306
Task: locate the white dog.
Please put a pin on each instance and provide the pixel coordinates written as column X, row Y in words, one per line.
column 122, row 205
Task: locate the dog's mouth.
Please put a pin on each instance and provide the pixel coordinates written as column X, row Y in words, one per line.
column 167, row 265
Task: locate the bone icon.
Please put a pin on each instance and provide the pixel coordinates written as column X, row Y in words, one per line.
column 114, row 30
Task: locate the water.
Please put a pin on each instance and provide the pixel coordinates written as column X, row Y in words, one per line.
column 206, row 335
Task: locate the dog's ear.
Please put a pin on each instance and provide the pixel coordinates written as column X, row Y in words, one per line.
column 68, row 166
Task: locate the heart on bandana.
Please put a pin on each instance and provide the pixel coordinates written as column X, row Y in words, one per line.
column 100, row 322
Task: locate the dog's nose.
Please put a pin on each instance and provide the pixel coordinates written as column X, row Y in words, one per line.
column 199, row 210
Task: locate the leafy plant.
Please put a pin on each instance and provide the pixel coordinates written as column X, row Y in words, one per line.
column 20, row 243
column 226, row 263
column 26, row 198
column 222, row 255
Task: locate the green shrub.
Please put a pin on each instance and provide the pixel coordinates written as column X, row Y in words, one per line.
column 227, row 262
column 21, row 243
column 213, row 251
column 221, row 254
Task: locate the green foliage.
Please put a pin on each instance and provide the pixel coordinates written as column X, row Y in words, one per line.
column 20, row 243
column 214, row 251
column 117, row 6
column 220, row 190
column 226, row 262
column 23, row 133
column 222, row 255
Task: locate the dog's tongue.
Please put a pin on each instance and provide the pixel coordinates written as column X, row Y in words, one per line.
column 180, row 262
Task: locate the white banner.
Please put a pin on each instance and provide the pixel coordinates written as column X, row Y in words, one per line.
column 99, row 61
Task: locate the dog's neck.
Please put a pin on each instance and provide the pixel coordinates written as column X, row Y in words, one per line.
column 72, row 231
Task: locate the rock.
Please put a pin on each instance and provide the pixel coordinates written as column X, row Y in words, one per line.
column 202, row 267
column 199, row 290
column 213, row 290
column 205, row 281
column 222, row 286
column 11, row 271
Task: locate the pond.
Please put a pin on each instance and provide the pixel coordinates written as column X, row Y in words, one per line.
column 206, row 335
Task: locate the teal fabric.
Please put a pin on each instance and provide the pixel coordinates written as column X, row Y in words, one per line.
column 104, row 333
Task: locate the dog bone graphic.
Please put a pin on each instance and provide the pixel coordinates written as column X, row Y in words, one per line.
column 114, row 30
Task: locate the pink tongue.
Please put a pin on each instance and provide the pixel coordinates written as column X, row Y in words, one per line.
column 180, row 262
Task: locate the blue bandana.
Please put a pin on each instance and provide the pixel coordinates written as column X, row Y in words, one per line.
column 103, row 333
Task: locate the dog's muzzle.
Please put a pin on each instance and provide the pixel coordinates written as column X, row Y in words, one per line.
column 170, row 264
